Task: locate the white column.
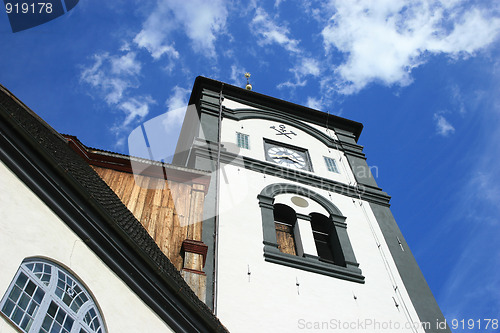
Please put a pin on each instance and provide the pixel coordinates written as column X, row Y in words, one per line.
column 304, row 239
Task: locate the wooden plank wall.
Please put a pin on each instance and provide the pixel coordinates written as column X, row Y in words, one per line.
column 171, row 212
column 285, row 238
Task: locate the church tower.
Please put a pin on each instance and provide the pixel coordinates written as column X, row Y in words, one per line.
column 300, row 237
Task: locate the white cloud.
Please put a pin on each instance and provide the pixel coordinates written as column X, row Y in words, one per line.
column 203, row 24
column 384, row 40
column 178, row 100
column 303, row 68
column 486, row 184
column 308, row 66
column 112, row 76
column 292, row 85
column 126, row 64
column 277, row 3
column 154, row 35
column 475, row 213
column 135, row 109
column 163, row 130
column 238, row 76
column 270, row 32
column 314, row 103
column 457, row 99
column 443, row 127
column 201, row 21
column 176, row 104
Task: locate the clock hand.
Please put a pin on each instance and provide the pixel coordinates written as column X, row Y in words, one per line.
column 286, row 156
column 280, row 156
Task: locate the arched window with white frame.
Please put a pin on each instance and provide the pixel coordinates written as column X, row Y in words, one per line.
column 45, row 297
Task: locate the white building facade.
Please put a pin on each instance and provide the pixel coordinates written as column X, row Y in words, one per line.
column 301, row 236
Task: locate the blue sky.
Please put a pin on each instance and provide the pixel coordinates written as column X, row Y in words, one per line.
column 422, row 76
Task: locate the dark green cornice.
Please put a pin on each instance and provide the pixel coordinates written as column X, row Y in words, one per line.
column 368, row 193
column 206, row 89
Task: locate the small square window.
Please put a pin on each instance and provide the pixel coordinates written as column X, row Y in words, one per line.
column 331, row 164
column 242, row 140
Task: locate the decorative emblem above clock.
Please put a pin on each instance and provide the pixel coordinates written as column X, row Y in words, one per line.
column 282, row 131
column 287, row 156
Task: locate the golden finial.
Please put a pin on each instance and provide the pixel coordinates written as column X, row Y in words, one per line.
column 248, row 86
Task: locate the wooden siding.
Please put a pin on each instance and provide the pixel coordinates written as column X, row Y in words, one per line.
column 285, row 239
column 198, row 283
column 170, row 211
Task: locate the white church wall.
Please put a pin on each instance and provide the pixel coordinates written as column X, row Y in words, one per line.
column 258, row 129
column 28, row 228
column 268, row 297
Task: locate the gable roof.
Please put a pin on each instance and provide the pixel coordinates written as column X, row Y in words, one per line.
column 43, row 160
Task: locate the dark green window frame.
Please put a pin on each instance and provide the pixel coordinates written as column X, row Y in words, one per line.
column 348, row 270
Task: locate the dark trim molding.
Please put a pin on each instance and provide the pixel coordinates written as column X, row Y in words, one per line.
column 203, row 86
column 194, row 271
column 368, row 193
column 313, row 264
column 193, row 246
column 242, row 114
column 350, row 272
column 414, row 281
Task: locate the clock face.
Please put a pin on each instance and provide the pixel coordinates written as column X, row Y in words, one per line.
column 287, row 157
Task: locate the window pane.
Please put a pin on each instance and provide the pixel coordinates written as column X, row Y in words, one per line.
column 46, row 324
column 21, row 280
column 323, row 248
column 33, row 283
column 41, row 270
column 68, row 324
column 242, row 140
column 92, row 320
column 8, row 307
column 15, row 293
column 38, row 267
column 19, row 306
column 23, row 302
column 17, row 316
column 32, row 309
column 26, row 324
column 38, row 296
column 331, row 164
column 61, row 322
column 285, row 214
column 56, row 328
column 30, row 288
column 52, row 309
column 322, row 232
column 60, row 316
